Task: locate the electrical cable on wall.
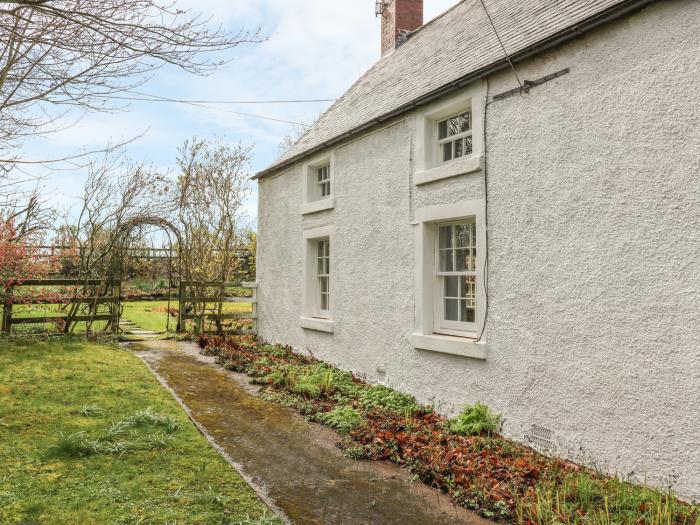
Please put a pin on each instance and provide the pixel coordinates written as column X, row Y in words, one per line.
column 486, row 218
column 502, row 46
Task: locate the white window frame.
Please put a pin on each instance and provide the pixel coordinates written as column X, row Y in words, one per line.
column 429, row 333
column 314, row 200
column 323, row 274
column 427, row 153
column 312, row 317
column 453, row 139
column 323, row 181
column 441, row 324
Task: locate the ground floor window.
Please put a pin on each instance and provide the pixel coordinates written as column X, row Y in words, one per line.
column 456, row 284
column 317, row 292
column 323, row 276
column 450, row 270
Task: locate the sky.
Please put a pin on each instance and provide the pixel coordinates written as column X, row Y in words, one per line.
column 313, row 49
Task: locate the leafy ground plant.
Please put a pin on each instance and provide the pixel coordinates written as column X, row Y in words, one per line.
column 464, row 456
column 475, row 420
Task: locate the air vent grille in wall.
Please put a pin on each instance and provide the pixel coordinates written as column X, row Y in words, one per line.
column 541, row 438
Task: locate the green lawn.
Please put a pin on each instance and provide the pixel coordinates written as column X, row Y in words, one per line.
column 151, row 315
column 152, row 467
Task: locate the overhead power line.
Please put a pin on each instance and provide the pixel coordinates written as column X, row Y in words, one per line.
column 502, row 46
column 205, row 104
column 147, row 97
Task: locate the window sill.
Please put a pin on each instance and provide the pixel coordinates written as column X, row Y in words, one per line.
column 450, row 345
column 327, row 203
column 314, row 323
column 450, row 169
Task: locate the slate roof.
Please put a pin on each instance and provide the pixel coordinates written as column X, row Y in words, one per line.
column 453, row 46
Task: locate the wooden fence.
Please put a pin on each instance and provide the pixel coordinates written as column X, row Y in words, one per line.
column 111, row 299
column 210, row 305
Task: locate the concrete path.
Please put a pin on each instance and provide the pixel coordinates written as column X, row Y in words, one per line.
column 295, row 466
column 134, row 333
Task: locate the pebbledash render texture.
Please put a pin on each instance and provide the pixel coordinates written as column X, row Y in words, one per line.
column 578, row 316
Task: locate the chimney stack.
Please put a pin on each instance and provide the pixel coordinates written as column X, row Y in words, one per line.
column 399, row 17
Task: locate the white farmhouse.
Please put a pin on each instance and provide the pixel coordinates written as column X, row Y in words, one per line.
column 532, row 242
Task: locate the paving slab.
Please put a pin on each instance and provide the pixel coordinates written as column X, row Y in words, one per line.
column 294, row 465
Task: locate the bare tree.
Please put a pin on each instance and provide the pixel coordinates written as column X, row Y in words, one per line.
column 211, row 188
column 61, row 54
column 117, row 192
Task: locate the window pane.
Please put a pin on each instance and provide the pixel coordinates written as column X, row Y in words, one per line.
column 467, row 315
column 323, row 283
column 326, row 248
column 462, row 261
column 462, row 236
column 467, row 145
column 451, row 310
column 458, row 149
column 323, row 266
column 452, row 286
column 324, row 301
column 447, row 152
column 446, row 237
column 442, row 130
column 467, row 287
column 465, row 122
column 446, row 260
column 454, row 126
column 321, row 249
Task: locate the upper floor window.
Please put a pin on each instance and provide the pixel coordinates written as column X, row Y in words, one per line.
column 455, row 137
column 323, row 179
column 319, row 184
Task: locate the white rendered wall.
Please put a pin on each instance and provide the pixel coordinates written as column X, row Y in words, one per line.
column 594, row 253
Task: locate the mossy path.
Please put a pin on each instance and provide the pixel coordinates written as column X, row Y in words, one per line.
column 294, row 463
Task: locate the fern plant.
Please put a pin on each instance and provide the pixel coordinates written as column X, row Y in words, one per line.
column 475, row 420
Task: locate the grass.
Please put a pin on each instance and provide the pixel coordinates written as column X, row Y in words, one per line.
column 152, row 315
column 148, row 315
column 88, row 436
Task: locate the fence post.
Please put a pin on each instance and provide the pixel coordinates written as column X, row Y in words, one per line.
column 116, row 307
column 180, row 307
column 7, row 313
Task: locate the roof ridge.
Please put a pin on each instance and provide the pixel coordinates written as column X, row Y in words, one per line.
column 444, row 57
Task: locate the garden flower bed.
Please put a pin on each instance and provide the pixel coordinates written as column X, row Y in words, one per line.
column 464, row 457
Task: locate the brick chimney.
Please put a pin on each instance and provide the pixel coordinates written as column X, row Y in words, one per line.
column 399, row 17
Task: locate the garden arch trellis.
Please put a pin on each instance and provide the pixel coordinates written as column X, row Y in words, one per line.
column 189, row 291
column 120, row 249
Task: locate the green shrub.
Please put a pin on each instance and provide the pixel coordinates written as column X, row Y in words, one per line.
column 475, row 420
column 312, row 380
column 342, row 418
column 380, row 396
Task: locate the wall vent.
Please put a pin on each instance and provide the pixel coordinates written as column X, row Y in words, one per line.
column 541, row 439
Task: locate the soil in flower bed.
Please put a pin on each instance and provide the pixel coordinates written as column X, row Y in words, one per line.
column 499, row 478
